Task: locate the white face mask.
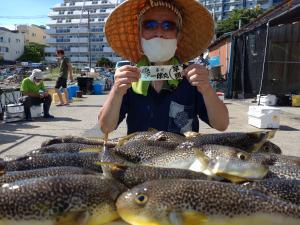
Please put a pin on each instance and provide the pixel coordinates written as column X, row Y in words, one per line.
column 159, row 49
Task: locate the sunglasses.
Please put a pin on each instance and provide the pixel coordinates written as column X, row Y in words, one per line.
column 165, row 25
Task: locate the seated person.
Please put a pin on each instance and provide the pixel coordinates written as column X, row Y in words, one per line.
column 34, row 93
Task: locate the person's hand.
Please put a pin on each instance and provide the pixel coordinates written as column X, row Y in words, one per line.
column 197, row 75
column 124, row 76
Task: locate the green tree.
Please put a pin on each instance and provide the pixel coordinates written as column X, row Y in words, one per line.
column 33, row 52
column 232, row 22
column 104, row 62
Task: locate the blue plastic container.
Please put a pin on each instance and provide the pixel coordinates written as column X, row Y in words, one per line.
column 72, row 90
column 214, row 61
column 98, row 89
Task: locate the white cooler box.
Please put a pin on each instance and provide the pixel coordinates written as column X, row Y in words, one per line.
column 264, row 116
column 13, row 112
column 36, row 110
column 267, row 100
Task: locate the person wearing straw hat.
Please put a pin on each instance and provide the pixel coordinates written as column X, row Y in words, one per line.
column 159, row 33
column 34, row 93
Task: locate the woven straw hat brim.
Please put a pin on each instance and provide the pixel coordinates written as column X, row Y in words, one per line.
column 122, row 29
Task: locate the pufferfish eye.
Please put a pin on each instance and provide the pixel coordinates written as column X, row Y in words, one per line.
column 242, row 156
column 141, row 199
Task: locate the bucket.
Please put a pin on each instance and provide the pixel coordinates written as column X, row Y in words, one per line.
column 79, row 94
column 72, row 90
column 98, row 89
column 296, row 100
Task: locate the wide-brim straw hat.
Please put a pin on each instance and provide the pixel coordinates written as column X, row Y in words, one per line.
column 123, row 35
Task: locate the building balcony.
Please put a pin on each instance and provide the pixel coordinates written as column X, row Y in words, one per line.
column 51, row 40
column 50, row 50
column 80, row 49
column 52, row 22
column 79, row 40
column 50, row 59
column 79, row 59
column 50, row 31
column 107, row 49
column 97, row 40
column 114, row 59
column 79, row 21
column 79, row 30
column 62, row 6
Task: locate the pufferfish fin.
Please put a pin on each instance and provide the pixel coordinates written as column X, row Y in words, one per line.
column 73, row 218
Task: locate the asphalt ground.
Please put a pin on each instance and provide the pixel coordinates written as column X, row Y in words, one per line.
column 80, row 119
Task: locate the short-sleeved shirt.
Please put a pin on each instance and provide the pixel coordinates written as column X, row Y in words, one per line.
column 63, row 68
column 174, row 110
column 30, row 86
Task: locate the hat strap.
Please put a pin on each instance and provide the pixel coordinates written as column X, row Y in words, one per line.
column 162, row 3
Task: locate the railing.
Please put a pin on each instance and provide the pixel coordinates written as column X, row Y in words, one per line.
column 79, row 40
column 50, row 59
column 50, row 31
column 107, row 49
column 80, row 49
column 78, row 30
column 50, row 50
column 51, row 40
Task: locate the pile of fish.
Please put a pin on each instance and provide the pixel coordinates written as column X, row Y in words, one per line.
column 152, row 178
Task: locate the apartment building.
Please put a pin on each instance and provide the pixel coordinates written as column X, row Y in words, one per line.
column 33, row 33
column 77, row 26
column 221, row 8
column 11, row 44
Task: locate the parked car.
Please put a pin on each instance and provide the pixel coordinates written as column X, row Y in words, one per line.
column 84, row 71
column 122, row 63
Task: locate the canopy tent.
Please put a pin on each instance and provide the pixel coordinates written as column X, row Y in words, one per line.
column 265, row 54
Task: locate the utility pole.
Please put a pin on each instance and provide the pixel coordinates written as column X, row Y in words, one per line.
column 89, row 40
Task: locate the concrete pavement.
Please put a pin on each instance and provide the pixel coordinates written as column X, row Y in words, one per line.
column 80, row 119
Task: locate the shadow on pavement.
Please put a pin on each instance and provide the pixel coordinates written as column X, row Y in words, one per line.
column 8, row 138
column 56, row 119
column 73, row 106
column 287, row 128
column 16, row 144
column 16, row 126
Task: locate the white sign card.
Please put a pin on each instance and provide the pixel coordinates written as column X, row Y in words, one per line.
column 168, row 72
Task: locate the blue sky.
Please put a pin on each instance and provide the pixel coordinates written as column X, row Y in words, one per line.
column 25, row 8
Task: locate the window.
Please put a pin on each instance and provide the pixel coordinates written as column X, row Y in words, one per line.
column 44, row 37
column 18, row 40
column 92, row 19
column 72, row 3
column 101, row 19
column 61, row 12
column 70, row 12
column 68, row 20
column 94, row 2
column 1, row 39
column 9, row 40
